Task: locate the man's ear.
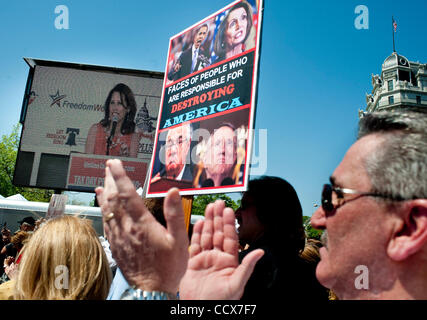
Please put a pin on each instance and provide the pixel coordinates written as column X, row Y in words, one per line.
column 410, row 235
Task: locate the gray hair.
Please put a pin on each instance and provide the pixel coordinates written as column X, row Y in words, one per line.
column 398, row 168
column 188, row 130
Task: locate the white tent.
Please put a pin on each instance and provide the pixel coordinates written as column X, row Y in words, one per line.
column 17, row 197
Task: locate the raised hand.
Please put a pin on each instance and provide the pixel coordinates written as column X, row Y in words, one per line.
column 213, row 270
column 150, row 256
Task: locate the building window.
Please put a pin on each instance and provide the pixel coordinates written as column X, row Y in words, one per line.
column 413, row 79
column 390, row 85
column 404, row 75
column 418, row 99
column 390, row 99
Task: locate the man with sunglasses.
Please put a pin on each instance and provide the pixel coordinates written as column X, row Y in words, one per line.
column 375, row 212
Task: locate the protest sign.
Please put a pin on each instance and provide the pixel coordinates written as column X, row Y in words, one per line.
column 203, row 141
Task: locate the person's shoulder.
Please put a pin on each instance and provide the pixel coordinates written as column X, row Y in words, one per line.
column 187, row 52
column 95, row 126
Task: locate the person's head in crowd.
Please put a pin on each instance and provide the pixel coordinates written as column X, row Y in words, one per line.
column 19, row 238
column 311, row 251
column 64, row 260
column 234, row 30
column 120, row 106
column 27, row 224
column 220, row 157
column 155, row 206
column 200, row 35
column 270, row 208
column 5, row 231
column 375, row 211
column 177, row 147
column 40, row 222
column 5, row 238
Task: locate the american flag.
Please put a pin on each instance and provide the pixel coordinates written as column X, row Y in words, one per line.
column 394, row 25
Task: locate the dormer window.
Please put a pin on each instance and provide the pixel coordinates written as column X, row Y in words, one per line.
column 404, row 75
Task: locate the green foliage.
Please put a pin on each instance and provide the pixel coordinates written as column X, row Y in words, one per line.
column 200, row 202
column 8, row 151
column 92, row 203
column 310, row 232
column 8, row 147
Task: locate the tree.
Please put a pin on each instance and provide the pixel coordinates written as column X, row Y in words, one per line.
column 8, row 152
column 200, row 202
column 310, row 232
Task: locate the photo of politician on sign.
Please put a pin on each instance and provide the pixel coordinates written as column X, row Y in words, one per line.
column 221, row 157
column 194, row 58
column 207, row 109
column 176, row 154
column 236, row 33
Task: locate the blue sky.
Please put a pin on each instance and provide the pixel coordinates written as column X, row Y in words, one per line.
column 315, row 66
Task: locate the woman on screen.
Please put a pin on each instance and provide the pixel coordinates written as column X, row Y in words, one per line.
column 115, row 134
column 234, row 31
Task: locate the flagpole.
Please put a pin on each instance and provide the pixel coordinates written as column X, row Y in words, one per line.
column 392, row 30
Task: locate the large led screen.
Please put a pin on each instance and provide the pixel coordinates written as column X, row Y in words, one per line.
column 75, row 117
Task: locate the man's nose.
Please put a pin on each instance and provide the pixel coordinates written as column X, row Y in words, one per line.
column 172, row 150
column 318, row 219
column 222, row 145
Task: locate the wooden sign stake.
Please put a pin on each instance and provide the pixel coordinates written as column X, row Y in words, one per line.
column 187, row 203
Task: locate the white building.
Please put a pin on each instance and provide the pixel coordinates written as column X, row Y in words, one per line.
column 402, row 84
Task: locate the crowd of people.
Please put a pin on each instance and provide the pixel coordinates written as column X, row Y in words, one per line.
column 11, row 247
column 373, row 213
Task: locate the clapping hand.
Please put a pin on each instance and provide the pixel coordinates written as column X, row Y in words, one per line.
column 213, row 270
column 151, row 257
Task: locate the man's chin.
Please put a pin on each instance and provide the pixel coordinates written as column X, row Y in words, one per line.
column 223, row 169
column 323, row 271
column 172, row 170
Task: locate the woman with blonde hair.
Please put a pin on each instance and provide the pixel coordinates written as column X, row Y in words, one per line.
column 64, row 259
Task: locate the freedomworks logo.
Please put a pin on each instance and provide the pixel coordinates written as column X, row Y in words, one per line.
column 56, row 100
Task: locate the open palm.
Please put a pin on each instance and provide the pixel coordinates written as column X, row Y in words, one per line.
column 213, row 271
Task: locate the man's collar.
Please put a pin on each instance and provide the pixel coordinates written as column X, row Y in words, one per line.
column 179, row 177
